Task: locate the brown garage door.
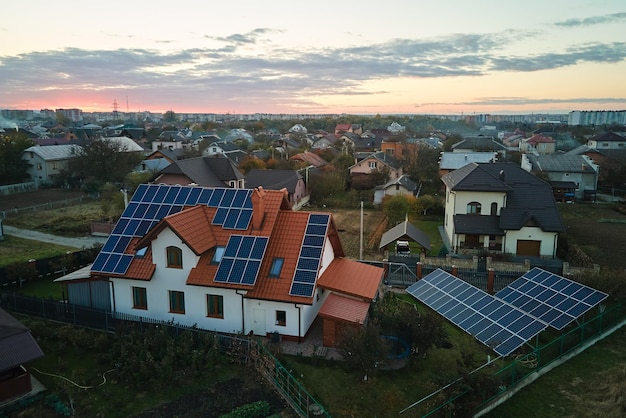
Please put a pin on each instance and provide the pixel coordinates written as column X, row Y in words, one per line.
column 528, row 248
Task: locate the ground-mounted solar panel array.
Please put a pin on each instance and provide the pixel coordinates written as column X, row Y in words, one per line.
column 242, row 258
column 303, row 283
column 152, row 202
column 497, row 321
column 556, row 300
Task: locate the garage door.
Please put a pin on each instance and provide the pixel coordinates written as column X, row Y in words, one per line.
column 528, row 248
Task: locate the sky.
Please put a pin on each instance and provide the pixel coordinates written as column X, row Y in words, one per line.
column 314, row 57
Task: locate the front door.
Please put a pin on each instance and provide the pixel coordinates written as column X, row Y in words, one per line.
column 258, row 322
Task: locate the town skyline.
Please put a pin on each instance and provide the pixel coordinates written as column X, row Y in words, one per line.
column 411, row 57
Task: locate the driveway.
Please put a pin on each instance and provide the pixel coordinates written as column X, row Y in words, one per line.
column 82, row 242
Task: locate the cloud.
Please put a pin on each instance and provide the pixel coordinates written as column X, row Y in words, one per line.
column 593, row 20
column 222, row 74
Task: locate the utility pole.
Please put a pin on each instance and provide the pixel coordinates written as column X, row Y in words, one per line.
column 361, row 237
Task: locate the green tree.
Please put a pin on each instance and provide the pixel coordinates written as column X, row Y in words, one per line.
column 13, row 169
column 362, row 346
column 170, row 117
column 103, row 161
column 397, row 207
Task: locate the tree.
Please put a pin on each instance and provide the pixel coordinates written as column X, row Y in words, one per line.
column 397, row 207
column 103, row 161
column 170, row 117
column 362, row 347
column 250, row 163
column 13, row 169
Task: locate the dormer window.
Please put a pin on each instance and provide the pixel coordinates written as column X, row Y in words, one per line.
column 141, row 252
column 473, row 208
column 174, row 257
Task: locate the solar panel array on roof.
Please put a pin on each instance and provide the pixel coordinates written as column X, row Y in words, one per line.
column 553, row 299
column 241, row 260
column 308, row 263
column 493, row 322
column 152, row 202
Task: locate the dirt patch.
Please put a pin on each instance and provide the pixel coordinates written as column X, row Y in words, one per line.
column 221, row 399
column 26, row 199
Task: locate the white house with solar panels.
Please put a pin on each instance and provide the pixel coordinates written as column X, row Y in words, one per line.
column 232, row 260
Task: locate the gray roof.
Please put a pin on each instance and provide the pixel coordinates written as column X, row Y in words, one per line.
column 405, row 230
column 17, row 345
column 477, row 143
column 124, row 143
column 54, row 152
column 403, row 180
column 560, row 163
column 379, row 156
column 456, row 160
column 474, row 224
column 529, row 199
column 205, row 171
column 608, row 137
column 273, row 179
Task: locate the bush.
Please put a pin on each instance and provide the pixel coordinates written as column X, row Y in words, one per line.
column 258, row 409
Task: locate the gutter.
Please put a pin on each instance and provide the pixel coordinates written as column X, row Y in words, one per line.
column 295, row 305
column 243, row 316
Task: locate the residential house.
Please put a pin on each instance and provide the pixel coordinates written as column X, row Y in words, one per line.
column 47, row 162
column 369, row 163
column 607, row 140
column 234, row 261
column 480, row 143
column 538, row 144
column 342, row 128
column 125, row 144
column 298, row 128
column 571, row 176
column 215, row 171
column 610, row 161
column 17, row 348
column 290, row 180
column 327, row 141
column 307, row 158
column 226, row 149
column 395, row 128
column 500, row 208
column 450, row 161
column 402, row 185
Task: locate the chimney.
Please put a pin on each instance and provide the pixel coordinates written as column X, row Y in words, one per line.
column 258, row 207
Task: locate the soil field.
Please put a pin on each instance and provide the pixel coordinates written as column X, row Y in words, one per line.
column 27, row 199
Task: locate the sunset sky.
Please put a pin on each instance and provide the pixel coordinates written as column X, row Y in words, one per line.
column 340, row 56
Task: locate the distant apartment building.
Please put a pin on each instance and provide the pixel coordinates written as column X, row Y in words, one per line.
column 75, row 115
column 601, row 117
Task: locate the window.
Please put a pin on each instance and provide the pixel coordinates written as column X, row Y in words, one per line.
column 473, row 208
column 140, row 300
column 219, row 253
column 277, row 265
column 215, row 306
column 372, row 165
column 281, row 318
column 494, row 209
column 55, row 165
column 177, row 302
column 174, row 257
column 39, row 166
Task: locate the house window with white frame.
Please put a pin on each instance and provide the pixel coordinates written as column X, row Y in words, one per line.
column 281, row 318
column 174, row 257
column 219, row 253
column 372, row 165
column 140, row 300
column 177, row 301
column 276, row 267
column 215, row 306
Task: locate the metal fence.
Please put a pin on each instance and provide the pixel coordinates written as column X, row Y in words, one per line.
column 244, row 349
column 44, row 206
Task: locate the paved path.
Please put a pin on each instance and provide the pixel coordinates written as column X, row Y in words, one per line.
column 82, row 242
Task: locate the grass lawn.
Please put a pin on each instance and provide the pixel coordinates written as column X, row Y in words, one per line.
column 44, row 288
column 14, row 250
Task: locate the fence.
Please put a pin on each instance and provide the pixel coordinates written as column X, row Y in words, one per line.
column 18, row 188
column 44, row 206
column 244, row 349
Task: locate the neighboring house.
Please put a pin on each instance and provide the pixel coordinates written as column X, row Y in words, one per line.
column 576, row 174
column 450, row 161
column 538, row 144
column 377, row 161
column 215, row 171
column 611, row 161
column 402, row 185
column 290, row 180
column 327, row 141
column 309, row 158
column 124, row 144
column 607, row 140
column 342, row 128
column 500, row 208
column 169, row 154
column 153, row 165
column 513, row 141
column 234, row 261
column 396, row 128
column 479, row 143
column 221, row 148
column 17, row 348
column 298, row 128
column 47, row 162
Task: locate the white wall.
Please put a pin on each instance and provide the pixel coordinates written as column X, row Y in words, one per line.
column 548, row 240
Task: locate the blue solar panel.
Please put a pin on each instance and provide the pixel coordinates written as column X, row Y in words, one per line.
column 303, row 283
column 241, row 261
column 496, row 324
column 181, row 198
column 227, row 198
column 244, row 219
column 553, row 299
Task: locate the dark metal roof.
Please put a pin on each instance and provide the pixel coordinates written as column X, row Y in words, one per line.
column 405, row 230
column 273, row 179
column 477, row 224
column 206, row 171
column 17, row 345
column 560, row 163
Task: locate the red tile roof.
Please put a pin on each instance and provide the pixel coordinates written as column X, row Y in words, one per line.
column 345, row 309
column 537, row 139
column 352, row 278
